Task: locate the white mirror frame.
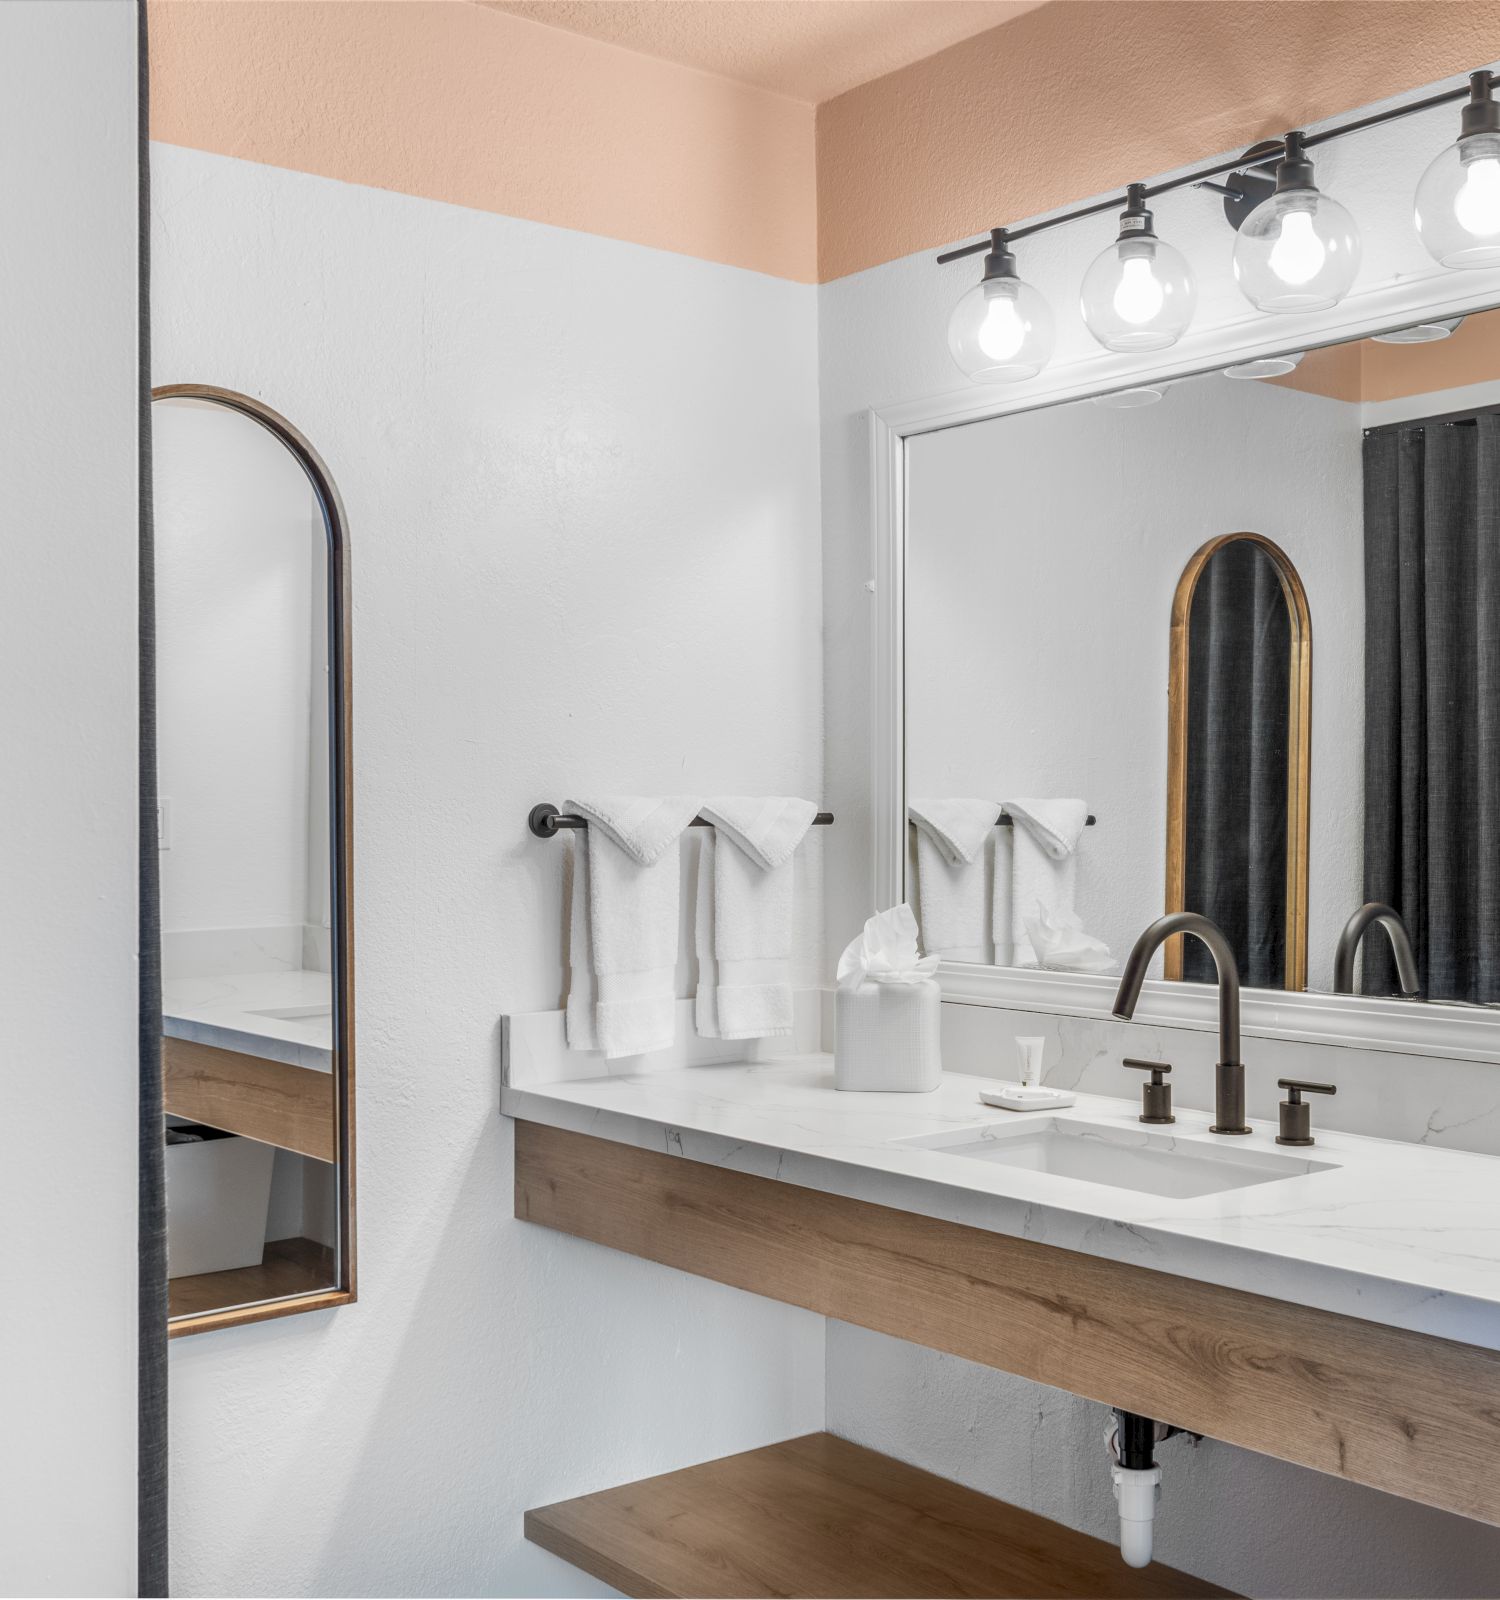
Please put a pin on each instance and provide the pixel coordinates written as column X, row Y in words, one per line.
column 1456, row 1032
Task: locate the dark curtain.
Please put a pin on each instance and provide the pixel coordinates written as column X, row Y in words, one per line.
column 1239, row 666
column 1432, row 701
column 151, row 1503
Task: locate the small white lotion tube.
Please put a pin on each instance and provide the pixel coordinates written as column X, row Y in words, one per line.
column 1029, row 1052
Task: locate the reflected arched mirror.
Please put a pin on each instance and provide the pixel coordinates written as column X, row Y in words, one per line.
column 1240, row 696
column 252, row 737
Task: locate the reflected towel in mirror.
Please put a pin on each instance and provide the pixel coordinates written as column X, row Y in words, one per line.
column 1044, row 866
column 953, row 880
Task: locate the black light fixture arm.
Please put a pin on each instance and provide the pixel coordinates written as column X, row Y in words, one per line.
column 1477, row 92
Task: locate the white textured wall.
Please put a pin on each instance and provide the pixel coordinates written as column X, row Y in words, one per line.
column 1255, row 1525
column 237, row 530
column 1026, row 678
column 68, row 798
column 581, row 480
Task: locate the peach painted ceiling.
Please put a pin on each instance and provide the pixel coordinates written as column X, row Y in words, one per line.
column 809, row 50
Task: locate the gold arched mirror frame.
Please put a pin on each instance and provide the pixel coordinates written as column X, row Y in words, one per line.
column 1299, row 749
column 248, row 1107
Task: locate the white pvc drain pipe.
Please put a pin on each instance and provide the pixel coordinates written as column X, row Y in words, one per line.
column 1137, row 1491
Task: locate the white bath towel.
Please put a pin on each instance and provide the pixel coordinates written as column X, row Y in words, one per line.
column 1044, row 864
column 744, row 922
column 953, row 880
column 624, row 921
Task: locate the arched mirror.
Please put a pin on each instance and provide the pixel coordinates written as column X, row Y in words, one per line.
column 1240, row 697
column 252, row 735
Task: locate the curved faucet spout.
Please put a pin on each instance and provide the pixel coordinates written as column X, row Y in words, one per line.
column 1229, row 1097
column 1355, row 928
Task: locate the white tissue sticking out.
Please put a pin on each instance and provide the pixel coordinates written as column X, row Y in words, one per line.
column 886, row 952
column 1059, row 941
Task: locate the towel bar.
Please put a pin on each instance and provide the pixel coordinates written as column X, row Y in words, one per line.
column 544, row 820
column 1008, row 821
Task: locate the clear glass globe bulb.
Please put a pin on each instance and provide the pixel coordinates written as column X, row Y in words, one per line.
column 1297, row 251
column 1458, row 203
column 1138, row 295
column 1001, row 331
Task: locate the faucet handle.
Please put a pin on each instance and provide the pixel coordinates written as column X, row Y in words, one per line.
column 1296, row 1114
column 1156, row 1096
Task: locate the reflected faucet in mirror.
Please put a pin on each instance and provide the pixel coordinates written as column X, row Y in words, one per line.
column 1355, row 928
column 1229, row 1073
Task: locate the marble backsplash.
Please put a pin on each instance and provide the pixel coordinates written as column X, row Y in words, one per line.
column 1417, row 1099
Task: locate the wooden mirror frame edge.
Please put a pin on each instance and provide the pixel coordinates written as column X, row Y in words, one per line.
column 1299, row 751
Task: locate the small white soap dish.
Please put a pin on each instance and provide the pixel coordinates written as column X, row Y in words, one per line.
column 1023, row 1097
column 1029, row 1094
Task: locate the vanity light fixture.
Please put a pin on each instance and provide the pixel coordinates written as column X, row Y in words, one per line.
column 1295, row 249
column 1458, row 198
column 1420, row 332
column 1265, row 367
column 1299, row 250
column 1139, row 294
column 1001, row 331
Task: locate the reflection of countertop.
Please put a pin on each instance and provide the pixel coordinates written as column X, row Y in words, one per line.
column 229, row 1012
column 1397, row 1233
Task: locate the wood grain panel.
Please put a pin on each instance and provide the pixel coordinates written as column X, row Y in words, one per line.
column 822, row 1517
column 280, row 1104
column 289, row 1267
column 1403, row 1412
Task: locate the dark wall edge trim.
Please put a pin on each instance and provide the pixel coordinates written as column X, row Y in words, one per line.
column 151, row 1502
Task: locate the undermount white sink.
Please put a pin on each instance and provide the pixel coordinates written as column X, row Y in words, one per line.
column 1149, row 1161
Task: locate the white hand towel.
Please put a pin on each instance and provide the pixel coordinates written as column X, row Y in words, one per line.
column 953, row 886
column 1044, row 864
column 624, row 923
column 706, row 996
column 747, row 876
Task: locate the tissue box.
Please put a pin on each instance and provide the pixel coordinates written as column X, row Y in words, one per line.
column 886, row 1036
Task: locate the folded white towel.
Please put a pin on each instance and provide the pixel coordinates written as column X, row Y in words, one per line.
column 745, row 909
column 952, row 883
column 624, row 922
column 1044, row 864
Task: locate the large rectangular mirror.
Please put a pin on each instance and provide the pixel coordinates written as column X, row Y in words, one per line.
column 254, row 849
column 1228, row 644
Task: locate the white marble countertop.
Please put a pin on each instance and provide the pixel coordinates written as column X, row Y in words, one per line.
column 236, row 1012
column 1400, row 1234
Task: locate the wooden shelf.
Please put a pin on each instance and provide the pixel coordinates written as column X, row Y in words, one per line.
column 289, row 1267
column 820, row 1517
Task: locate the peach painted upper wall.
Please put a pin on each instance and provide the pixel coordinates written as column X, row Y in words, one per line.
column 1082, row 96
column 467, row 104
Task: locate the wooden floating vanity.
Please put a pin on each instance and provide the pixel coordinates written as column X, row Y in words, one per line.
column 273, row 1101
column 1392, row 1407
column 822, row 1517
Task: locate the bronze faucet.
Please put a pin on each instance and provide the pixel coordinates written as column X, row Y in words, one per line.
column 1229, row 1075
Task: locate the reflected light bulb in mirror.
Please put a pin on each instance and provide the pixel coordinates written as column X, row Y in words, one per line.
column 1003, row 330
column 1298, row 255
column 1139, row 297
